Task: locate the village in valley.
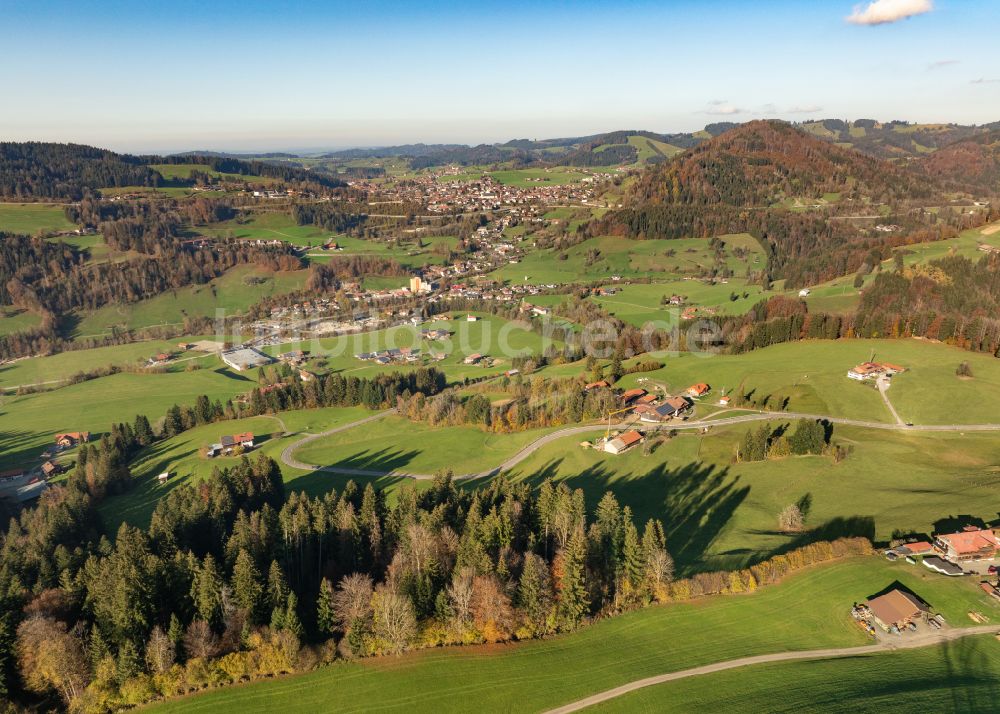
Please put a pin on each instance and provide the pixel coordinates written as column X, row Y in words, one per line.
column 426, row 386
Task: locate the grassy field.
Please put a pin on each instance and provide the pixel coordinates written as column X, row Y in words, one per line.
column 720, row 515
column 599, row 258
column 234, row 292
column 31, row 218
column 13, row 320
column 808, row 610
column 28, row 422
column 268, row 226
column 410, row 255
column 490, row 335
column 840, row 296
column 395, row 443
column 184, row 171
column 641, row 302
column 812, row 375
column 181, row 457
column 651, row 148
column 554, row 176
column 957, row 677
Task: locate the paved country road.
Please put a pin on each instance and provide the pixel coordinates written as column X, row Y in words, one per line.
column 288, row 457
column 924, row 639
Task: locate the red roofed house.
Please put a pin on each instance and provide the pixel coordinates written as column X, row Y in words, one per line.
column 624, row 442
column 631, row 395
column 50, row 468
column 865, row 371
column 919, row 548
column 72, row 438
column 596, row 385
column 696, row 390
column 971, row 543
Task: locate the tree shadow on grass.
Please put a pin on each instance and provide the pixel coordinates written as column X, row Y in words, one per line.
column 896, row 585
column 230, row 374
column 954, row 524
column 377, row 462
column 695, row 502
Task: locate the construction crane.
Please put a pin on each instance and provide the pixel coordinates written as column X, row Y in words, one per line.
column 611, row 414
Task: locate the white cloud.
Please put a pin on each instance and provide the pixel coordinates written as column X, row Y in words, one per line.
column 881, row 12
column 805, row 109
column 723, row 109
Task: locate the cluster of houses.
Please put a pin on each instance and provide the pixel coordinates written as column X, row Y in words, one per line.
column 23, row 485
column 874, row 370
column 485, row 193
column 972, row 549
column 396, row 355
column 650, row 408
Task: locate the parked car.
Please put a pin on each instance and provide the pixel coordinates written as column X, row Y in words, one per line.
column 993, row 569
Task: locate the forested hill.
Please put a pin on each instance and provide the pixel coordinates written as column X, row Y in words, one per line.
column 972, row 164
column 66, row 171
column 39, row 170
column 762, row 163
column 750, row 178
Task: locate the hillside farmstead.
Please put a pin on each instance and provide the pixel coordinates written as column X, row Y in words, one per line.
column 624, row 442
column 227, row 444
column 872, row 370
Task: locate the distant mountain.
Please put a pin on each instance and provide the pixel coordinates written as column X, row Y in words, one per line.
column 893, row 139
column 69, row 171
column 231, row 155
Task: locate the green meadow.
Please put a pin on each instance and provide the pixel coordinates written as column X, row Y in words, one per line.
column 552, row 177
column 14, row 320
column 808, row 610
column 651, row 148
column 812, row 376
column 397, row 444
column 181, row 457
column 840, row 296
column 640, row 303
column 184, row 171
column 268, row 225
column 722, row 515
column 958, row 677
column 420, row 251
column 234, row 292
column 489, row 335
column 29, row 422
column 597, row 259
column 32, row 218
column 62, row 365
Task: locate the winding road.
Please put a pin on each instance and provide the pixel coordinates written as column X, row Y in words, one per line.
column 288, row 457
column 924, row 639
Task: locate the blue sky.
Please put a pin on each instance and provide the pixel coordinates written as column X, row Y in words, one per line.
column 251, row 75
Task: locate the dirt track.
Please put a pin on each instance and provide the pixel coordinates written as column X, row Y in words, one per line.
column 920, row 640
